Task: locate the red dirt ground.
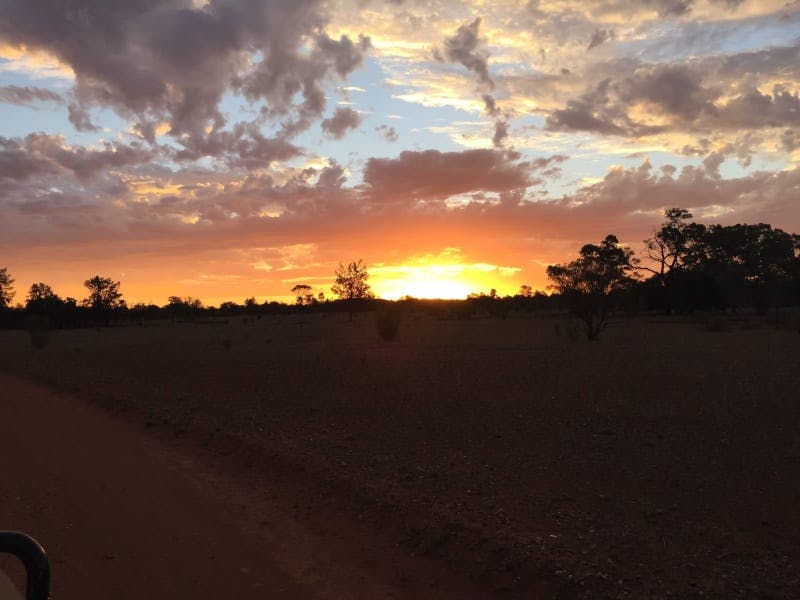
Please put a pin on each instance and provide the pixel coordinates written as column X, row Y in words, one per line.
column 125, row 517
column 660, row 461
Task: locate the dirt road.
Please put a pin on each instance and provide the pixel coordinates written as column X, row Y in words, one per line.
column 124, row 516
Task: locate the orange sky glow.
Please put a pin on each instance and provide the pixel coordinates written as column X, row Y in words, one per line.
column 190, row 149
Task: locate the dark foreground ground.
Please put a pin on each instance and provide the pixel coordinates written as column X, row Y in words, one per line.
column 125, row 516
column 663, row 460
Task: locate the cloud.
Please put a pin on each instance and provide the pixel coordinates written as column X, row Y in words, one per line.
column 695, row 77
column 389, row 133
column 490, row 105
column 154, row 62
column 462, row 48
column 790, row 140
column 79, row 117
column 241, row 146
column 27, row 95
column 342, row 120
column 39, row 153
column 500, row 133
column 601, row 36
column 435, row 175
column 707, row 95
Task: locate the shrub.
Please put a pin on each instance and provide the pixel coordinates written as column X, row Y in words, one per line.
column 40, row 330
column 387, row 322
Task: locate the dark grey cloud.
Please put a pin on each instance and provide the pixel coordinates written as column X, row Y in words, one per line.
column 40, row 154
column 664, row 8
column 704, row 95
column 677, row 89
column 81, row 120
column 790, row 140
column 490, row 105
column 241, row 145
column 19, row 165
column 158, row 60
column 27, row 95
column 754, row 109
column 435, row 175
column 463, row 48
column 341, row 122
column 500, row 133
column 671, row 7
column 592, row 111
column 601, row 36
column 761, row 196
column 389, row 133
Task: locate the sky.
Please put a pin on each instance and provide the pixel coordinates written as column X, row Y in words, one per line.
column 236, row 148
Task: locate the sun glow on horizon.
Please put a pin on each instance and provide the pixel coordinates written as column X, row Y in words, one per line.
column 426, row 287
column 445, row 276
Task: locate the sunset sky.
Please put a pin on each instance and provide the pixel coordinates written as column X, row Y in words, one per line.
column 234, row 148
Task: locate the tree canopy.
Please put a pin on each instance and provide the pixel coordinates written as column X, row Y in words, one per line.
column 351, row 281
column 6, row 287
column 589, row 283
column 104, row 294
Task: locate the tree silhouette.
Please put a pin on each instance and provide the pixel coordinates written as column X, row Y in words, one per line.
column 590, row 283
column 104, row 294
column 39, row 292
column 6, row 289
column 43, row 301
column 351, row 283
column 183, row 307
column 671, row 247
column 303, row 294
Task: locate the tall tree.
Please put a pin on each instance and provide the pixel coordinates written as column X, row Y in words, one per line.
column 6, row 289
column 351, row 283
column 303, row 294
column 39, row 292
column 590, row 283
column 674, row 246
column 104, row 294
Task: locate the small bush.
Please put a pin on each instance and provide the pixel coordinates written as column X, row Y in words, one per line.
column 40, row 330
column 387, row 322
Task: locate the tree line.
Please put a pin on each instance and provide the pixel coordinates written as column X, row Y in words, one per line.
column 104, row 303
column 684, row 266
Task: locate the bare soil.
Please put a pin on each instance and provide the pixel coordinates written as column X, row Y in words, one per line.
column 663, row 460
column 124, row 516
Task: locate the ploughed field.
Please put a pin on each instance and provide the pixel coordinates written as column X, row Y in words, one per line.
column 663, row 459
